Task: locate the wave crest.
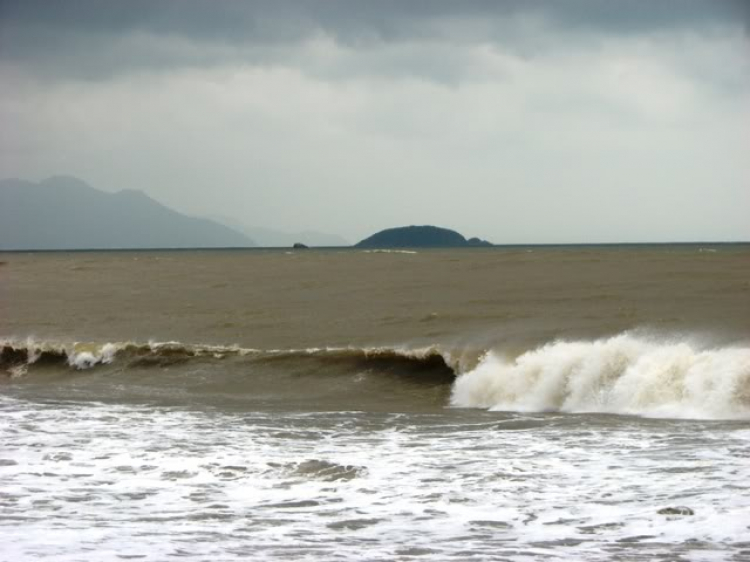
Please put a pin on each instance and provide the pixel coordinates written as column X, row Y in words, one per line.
column 620, row 375
column 625, row 374
column 16, row 357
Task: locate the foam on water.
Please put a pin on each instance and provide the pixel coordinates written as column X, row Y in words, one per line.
column 388, row 251
column 103, row 482
column 625, row 374
column 82, row 358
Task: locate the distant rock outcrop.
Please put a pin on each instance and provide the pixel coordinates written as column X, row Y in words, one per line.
column 300, row 246
column 419, row 237
column 65, row 213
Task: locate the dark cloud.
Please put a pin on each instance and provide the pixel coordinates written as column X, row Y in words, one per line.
column 94, row 38
column 387, row 19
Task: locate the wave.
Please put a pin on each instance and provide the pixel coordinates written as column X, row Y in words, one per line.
column 320, row 379
column 16, row 357
column 624, row 374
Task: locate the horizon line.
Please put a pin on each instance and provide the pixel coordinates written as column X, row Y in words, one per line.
column 354, row 247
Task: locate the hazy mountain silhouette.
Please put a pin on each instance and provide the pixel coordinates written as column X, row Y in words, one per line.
column 269, row 238
column 62, row 213
column 419, row 237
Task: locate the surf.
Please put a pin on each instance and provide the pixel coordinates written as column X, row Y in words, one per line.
column 625, row 374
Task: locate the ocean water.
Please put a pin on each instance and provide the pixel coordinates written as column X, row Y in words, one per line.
column 573, row 403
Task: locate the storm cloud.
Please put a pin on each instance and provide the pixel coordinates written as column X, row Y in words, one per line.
column 95, row 38
column 517, row 121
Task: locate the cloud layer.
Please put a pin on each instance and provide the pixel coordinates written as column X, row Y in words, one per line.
column 516, row 121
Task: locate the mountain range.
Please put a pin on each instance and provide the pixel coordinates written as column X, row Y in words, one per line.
column 65, row 213
column 270, row 238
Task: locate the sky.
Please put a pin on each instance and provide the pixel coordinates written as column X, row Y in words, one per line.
column 518, row 121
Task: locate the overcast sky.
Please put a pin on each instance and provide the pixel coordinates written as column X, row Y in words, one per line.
column 519, row 121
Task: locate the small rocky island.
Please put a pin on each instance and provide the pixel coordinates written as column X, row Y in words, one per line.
column 419, row 237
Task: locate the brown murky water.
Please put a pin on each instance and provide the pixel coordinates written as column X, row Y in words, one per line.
column 280, row 299
column 491, row 404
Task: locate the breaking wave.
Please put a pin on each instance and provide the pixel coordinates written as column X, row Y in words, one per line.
column 16, row 357
column 620, row 375
column 624, row 374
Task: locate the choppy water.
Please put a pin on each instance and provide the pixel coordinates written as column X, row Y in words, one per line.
column 91, row 481
column 525, row 418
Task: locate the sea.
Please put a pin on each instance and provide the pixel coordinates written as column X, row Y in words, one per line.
column 525, row 403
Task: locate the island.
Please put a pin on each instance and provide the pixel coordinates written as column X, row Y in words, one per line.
column 420, row 237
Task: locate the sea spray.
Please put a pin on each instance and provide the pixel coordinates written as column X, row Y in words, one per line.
column 624, row 374
column 85, row 357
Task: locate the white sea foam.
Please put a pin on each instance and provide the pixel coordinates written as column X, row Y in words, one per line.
column 625, row 374
column 126, row 481
column 85, row 357
column 389, row 252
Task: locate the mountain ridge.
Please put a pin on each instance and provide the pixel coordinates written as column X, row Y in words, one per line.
column 66, row 213
column 271, row 238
